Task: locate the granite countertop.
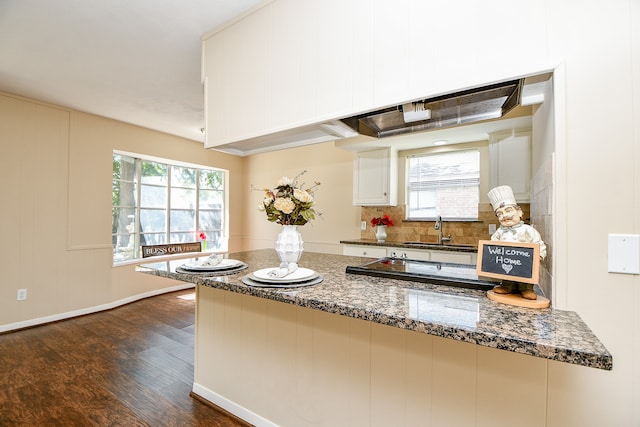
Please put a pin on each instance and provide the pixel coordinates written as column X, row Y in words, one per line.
column 449, row 312
column 412, row 245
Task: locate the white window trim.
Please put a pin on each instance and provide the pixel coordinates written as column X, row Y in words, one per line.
column 439, row 151
column 224, row 237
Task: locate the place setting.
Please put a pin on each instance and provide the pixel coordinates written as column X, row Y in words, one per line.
column 215, row 264
column 286, row 276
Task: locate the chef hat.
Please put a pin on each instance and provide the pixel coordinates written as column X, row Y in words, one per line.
column 501, row 196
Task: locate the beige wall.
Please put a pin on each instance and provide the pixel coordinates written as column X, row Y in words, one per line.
column 333, row 168
column 55, row 220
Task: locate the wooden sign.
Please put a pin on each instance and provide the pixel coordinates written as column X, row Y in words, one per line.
column 516, row 261
column 170, row 249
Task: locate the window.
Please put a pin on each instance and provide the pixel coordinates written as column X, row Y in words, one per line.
column 157, row 203
column 445, row 184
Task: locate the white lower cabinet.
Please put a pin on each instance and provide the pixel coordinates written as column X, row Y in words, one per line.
column 454, row 257
column 365, row 251
column 419, row 254
column 423, row 255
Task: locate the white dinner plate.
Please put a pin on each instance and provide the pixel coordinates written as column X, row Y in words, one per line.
column 225, row 264
column 300, row 275
column 250, row 280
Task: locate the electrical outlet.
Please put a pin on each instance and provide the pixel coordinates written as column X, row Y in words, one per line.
column 492, row 228
column 21, row 294
column 363, row 225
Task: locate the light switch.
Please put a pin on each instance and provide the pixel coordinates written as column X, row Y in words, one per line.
column 624, row 253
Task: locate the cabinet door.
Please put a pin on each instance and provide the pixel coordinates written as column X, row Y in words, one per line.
column 510, row 162
column 238, row 79
column 453, row 257
column 391, row 60
column 287, row 65
column 292, row 61
column 375, row 178
column 365, row 251
column 409, row 253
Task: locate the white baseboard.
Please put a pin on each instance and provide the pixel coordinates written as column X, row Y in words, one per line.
column 89, row 310
column 232, row 407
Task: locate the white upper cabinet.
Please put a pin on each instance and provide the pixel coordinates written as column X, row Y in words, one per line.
column 237, row 73
column 293, row 77
column 342, row 56
column 375, row 178
column 290, row 65
column 510, row 162
column 391, row 58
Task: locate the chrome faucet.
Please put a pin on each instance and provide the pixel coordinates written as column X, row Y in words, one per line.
column 441, row 238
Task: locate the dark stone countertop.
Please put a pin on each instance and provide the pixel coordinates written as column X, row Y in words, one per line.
column 449, row 312
column 412, row 245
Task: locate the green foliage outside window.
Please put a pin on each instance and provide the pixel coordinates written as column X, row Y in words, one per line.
column 159, row 203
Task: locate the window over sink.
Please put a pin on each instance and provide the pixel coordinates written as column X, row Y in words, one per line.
column 444, row 184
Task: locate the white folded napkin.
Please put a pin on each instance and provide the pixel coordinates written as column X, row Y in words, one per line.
column 283, row 271
column 213, row 260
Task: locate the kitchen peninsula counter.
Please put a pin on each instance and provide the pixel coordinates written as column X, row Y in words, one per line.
column 449, row 312
column 370, row 351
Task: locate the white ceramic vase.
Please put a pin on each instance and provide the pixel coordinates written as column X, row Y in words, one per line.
column 381, row 233
column 289, row 245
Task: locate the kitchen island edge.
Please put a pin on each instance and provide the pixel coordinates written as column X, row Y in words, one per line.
column 552, row 334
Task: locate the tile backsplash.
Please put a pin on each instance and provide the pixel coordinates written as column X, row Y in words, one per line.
column 462, row 232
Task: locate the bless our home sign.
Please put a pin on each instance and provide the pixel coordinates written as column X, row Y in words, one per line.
column 177, row 248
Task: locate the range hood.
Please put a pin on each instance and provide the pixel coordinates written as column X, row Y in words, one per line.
column 459, row 108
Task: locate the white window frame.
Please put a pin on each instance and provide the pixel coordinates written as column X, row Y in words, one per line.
column 219, row 244
column 466, row 180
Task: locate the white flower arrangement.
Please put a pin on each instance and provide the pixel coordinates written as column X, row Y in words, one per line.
column 288, row 203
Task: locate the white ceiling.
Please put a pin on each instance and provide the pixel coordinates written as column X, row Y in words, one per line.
column 137, row 61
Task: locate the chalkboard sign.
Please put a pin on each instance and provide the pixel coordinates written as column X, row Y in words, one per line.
column 516, row 261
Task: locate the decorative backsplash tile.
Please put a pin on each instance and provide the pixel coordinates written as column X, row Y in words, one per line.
column 462, row 232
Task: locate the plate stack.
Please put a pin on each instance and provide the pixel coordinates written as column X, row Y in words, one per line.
column 266, row 278
column 206, row 267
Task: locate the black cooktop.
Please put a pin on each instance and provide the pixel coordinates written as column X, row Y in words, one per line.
column 441, row 273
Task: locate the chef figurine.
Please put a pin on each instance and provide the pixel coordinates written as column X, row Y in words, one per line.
column 513, row 229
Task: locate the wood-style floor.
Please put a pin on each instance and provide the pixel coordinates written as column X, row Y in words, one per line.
column 130, row 366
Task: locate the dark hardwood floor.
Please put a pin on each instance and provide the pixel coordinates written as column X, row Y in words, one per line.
column 130, row 366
